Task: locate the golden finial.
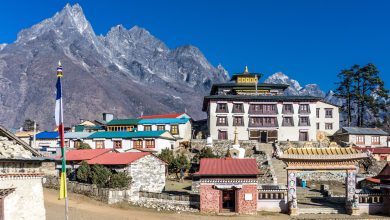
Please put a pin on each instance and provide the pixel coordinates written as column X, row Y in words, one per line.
column 59, row 69
column 246, row 69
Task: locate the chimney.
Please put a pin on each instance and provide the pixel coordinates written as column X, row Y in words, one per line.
column 108, row 117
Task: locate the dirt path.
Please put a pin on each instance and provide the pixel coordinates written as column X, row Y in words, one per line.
column 84, row 208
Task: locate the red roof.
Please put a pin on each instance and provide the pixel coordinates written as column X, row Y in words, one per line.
column 375, row 150
column 118, row 158
column 385, row 173
column 87, row 154
column 373, row 180
column 171, row 115
column 227, row 167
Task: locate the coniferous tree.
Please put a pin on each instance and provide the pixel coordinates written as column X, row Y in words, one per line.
column 363, row 91
column 345, row 91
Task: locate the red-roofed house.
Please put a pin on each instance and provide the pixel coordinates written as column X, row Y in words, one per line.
column 146, row 170
column 74, row 157
column 228, row 185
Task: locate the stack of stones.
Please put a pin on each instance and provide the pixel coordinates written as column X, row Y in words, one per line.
column 8, row 149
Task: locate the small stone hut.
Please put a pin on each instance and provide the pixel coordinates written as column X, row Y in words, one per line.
column 228, row 185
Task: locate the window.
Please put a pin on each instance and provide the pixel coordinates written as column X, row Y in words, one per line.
column 147, row 127
column 360, row 139
column 149, row 143
column 288, row 121
column 160, row 127
column 328, row 113
column 318, row 126
column 288, row 109
column 304, row 109
column 222, row 108
column 238, row 108
column 117, row 144
column 268, row 109
column 138, row 144
column 99, row 144
column 328, row 126
column 303, row 136
column 222, row 121
column 222, row 135
column 317, row 112
column 175, row 129
column 77, row 144
column 375, row 140
column 263, row 122
column 304, row 121
column 238, row 121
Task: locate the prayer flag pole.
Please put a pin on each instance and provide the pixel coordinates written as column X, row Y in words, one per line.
column 60, row 126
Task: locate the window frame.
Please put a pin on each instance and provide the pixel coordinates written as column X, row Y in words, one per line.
column 225, row 123
column 219, row 135
column 222, row 110
column 327, row 126
column 136, row 144
column 375, row 137
column 114, row 144
column 291, row 124
column 100, row 141
column 161, row 126
column 235, row 121
column 174, row 131
column 359, row 141
column 326, row 113
column 147, row 126
column 149, row 145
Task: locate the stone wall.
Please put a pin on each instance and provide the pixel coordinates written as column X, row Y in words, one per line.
column 220, row 147
column 26, row 202
column 209, row 199
column 246, row 199
column 148, row 174
column 106, row 195
column 169, row 202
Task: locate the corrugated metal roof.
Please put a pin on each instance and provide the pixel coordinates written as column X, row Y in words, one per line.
column 118, row 158
column 79, row 155
column 126, row 134
column 47, row 135
column 364, row 131
column 77, row 135
column 128, row 121
column 164, row 121
column 171, row 115
column 227, row 167
column 385, row 173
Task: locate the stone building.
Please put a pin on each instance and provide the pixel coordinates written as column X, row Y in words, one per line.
column 362, row 137
column 228, row 185
column 21, row 192
column 146, row 170
column 262, row 112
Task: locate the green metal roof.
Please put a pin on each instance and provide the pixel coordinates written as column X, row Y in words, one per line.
column 127, row 134
column 128, row 121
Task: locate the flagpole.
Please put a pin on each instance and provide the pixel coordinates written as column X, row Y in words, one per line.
column 60, row 124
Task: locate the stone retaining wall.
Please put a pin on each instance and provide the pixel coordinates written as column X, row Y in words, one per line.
column 106, row 195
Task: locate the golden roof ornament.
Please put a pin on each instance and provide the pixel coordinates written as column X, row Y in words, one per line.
column 59, row 70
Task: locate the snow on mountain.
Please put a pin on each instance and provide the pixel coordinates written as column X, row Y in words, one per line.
column 127, row 68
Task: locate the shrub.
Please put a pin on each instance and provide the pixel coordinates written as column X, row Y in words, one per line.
column 84, row 172
column 119, row 180
column 84, row 146
column 100, row 175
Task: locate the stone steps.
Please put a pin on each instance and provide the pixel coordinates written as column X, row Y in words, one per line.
column 322, row 210
column 277, row 166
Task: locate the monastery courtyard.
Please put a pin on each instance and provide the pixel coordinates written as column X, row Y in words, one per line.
column 84, row 208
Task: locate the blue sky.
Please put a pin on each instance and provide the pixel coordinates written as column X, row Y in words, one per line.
column 311, row 41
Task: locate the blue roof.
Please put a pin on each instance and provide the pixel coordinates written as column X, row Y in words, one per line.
column 164, row 121
column 47, row 135
column 126, row 134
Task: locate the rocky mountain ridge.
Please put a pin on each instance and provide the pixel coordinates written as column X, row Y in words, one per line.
column 127, row 72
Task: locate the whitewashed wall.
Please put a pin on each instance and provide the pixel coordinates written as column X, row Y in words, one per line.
column 284, row 133
column 26, row 202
